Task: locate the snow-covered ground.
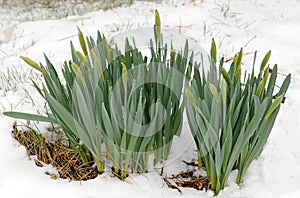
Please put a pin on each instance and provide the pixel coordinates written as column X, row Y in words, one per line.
column 252, row 24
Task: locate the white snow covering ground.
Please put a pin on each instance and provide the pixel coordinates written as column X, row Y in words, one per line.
column 252, row 24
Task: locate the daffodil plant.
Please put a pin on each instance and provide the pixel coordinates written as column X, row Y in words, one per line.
column 231, row 117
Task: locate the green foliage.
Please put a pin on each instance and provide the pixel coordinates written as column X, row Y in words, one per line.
column 132, row 104
column 129, row 102
column 32, row 64
column 231, row 134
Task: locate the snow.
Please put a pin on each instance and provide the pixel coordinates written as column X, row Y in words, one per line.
column 252, row 24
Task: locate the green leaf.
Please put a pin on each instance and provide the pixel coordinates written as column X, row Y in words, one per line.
column 77, row 70
column 107, row 49
column 157, row 19
column 28, row 116
column 33, row 64
column 273, row 106
column 157, row 26
column 265, row 61
column 260, row 88
column 82, row 42
column 214, row 92
column 213, row 51
column 272, row 81
column 190, row 97
column 237, row 64
column 124, row 76
column 225, row 76
column 285, row 85
column 239, row 58
column 66, row 118
column 99, row 65
column 80, row 56
column 223, row 88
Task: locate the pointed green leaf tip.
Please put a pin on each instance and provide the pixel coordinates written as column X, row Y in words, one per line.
column 33, row 64
column 190, row 96
column 80, row 56
column 157, row 26
column 240, row 56
column 273, row 106
column 213, row 51
column 225, row 76
column 237, row 64
column 77, row 71
column 262, row 83
column 107, row 49
column 98, row 62
column 223, row 87
column 82, row 42
column 265, row 61
column 214, row 92
column 124, row 76
column 157, row 19
column 259, row 88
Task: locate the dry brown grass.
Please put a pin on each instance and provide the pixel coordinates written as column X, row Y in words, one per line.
column 65, row 159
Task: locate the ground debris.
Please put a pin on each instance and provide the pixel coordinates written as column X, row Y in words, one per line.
column 184, row 174
column 191, row 163
column 199, row 183
column 187, row 179
column 38, row 163
column 170, row 185
column 52, row 175
column 61, row 156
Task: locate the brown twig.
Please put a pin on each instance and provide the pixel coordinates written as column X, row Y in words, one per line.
column 191, row 163
column 171, row 185
column 231, row 58
column 162, row 171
